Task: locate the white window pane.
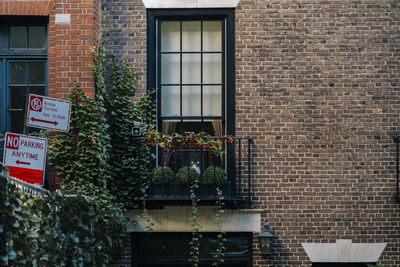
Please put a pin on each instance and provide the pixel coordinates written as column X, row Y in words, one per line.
column 212, row 68
column 191, row 66
column 212, row 101
column 170, row 68
column 170, row 98
column 191, row 101
column 191, row 37
column 212, row 36
column 170, row 36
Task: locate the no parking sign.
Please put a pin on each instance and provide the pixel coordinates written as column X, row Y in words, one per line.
column 25, row 156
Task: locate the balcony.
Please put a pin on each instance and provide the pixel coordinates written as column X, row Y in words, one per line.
column 173, row 171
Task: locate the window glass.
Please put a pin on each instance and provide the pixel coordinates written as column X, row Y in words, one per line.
column 17, row 121
column 20, row 87
column 170, row 96
column 170, row 69
column 18, row 36
column 191, row 68
column 212, row 36
column 37, row 90
column 162, row 246
column 212, row 68
column 37, row 37
column 191, row 36
column 212, row 101
column 170, row 36
column 191, row 101
column 18, row 72
column 17, row 97
column 37, row 73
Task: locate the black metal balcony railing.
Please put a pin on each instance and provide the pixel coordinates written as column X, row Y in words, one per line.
column 174, row 169
column 397, row 140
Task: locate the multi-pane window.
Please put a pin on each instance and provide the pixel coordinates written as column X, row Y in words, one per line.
column 172, row 249
column 191, row 76
column 23, row 70
column 27, row 37
column 191, row 63
column 26, row 77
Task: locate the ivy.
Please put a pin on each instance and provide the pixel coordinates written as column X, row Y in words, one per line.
column 80, row 156
column 219, row 255
column 56, row 230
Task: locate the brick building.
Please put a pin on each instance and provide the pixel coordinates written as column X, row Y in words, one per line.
column 313, row 83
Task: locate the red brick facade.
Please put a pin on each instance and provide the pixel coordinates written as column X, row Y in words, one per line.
column 26, row 8
column 69, row 44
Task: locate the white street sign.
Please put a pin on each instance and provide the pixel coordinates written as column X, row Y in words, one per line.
column 25, row 156
column 48, row 113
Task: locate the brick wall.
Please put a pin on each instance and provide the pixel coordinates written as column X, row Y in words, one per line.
column 124, row 34
column 69, row 46
column 26, row 7
column 317, row 88
column 69, row 50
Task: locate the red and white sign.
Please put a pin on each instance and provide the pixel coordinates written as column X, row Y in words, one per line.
column 48, row 113
column 25, row 156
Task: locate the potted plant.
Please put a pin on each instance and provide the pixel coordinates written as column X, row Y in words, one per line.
column 161, row 178
column 187, row 172
column 162, row 174
column 214, row 176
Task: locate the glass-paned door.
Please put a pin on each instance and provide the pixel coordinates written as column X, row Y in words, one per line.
column 25, row 77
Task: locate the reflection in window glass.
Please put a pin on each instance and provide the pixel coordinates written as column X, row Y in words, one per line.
column 18, row 72
column 18, row 36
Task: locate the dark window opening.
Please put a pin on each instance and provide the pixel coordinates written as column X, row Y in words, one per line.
column 330, row 264
column 172, row 249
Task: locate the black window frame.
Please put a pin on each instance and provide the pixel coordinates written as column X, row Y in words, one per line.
column 137, row 236
column 226, row 14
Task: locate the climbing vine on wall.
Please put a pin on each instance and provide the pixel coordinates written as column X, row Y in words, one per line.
column 56, row 230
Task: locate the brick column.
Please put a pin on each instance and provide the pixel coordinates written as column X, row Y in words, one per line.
column 70, row 40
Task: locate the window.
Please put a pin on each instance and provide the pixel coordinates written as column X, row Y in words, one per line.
column 172, row 249
column 191, row 62
column 23, row 69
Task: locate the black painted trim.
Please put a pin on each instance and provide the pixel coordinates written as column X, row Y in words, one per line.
column 152, row 52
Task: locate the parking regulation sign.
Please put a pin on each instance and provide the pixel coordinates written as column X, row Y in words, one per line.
column 25, row 156
column 48, row 113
